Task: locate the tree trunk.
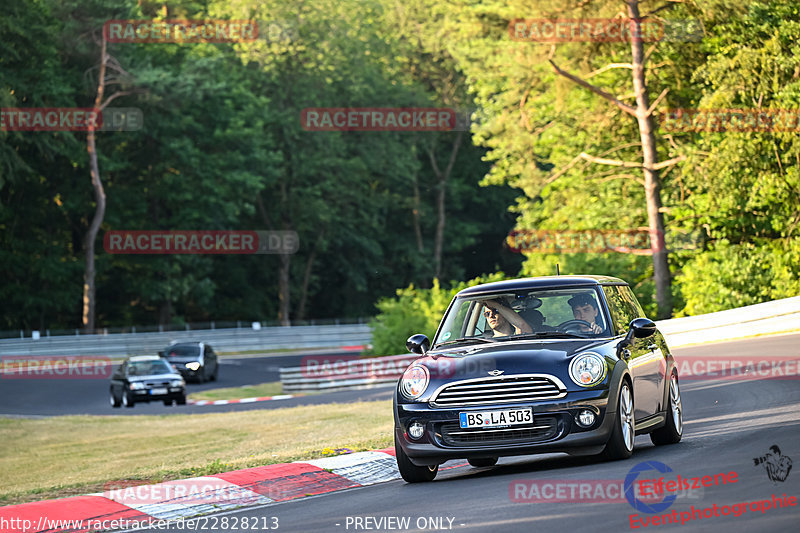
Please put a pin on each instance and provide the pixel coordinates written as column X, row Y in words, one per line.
column 284, row 295
column 301, row 307
column 440, row 201
column 655, row 218
column 415, row 216
column 89, row 291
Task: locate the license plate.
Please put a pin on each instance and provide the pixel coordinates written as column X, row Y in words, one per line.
column 491, row 419
column 158, row 391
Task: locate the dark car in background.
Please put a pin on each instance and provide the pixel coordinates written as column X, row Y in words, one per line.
column 196, row 361
column 146, row 378
column 553, row 364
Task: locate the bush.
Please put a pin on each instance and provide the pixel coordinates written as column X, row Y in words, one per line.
column 413, row 311
column 734, row 275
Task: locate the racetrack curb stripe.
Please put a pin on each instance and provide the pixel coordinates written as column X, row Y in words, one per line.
column 251, row 486
column 73, row 508
column 243, row 400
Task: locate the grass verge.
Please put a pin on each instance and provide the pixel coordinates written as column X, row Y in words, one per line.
column 272, row 388
column 63, row 456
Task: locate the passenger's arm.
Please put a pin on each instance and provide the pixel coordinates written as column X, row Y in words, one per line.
column 519, row 323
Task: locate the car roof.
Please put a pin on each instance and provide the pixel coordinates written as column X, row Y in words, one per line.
column 137, row 358
column 185, row 343
column 543, row 282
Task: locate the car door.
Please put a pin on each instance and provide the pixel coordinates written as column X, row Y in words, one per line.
column 645, row 364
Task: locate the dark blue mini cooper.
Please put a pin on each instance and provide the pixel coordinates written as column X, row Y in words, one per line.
column 553, row 364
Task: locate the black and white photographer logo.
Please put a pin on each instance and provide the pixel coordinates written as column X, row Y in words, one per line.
column 777, row 465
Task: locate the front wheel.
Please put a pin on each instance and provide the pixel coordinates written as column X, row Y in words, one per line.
column 411, row 472
column 672, row 431
column 620, row 444
column 127, row 399
column 181, row 400
column 115, row 401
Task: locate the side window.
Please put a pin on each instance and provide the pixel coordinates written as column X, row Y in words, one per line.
column 622, row 312
column 632, row 302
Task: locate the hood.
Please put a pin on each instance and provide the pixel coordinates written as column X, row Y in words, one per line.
column 521, row 357
column 183, row 359
column 155, row 377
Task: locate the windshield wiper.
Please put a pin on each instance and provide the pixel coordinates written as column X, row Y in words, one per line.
column 545, row 335
column 464, row 339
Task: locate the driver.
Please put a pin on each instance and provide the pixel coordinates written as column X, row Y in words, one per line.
column 503, row 320
column 585, row 308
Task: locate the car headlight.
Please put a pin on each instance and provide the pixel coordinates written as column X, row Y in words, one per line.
column 194, row 365
column 587, row 369
column 414, row 381
column 137, row 385
column 176, row 383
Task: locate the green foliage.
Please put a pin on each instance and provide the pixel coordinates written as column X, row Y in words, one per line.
column 415, row 310
column 733, row 275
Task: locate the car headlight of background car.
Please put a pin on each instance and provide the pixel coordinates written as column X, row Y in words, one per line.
column 414, row 381
column 194, row 365
column 587, row 369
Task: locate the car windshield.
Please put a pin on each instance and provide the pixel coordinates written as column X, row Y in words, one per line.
column 148, row 368
column 183, row 351
column 527, row 313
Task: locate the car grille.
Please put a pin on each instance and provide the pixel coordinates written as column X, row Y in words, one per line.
column 488, row 391
column 544, row 428
column 150, row 384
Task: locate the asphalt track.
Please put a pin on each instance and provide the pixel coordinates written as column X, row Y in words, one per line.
column 727, row 424
column 58, row 397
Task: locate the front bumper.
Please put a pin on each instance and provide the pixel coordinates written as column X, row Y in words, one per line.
column 145, row 395
column 553, row 429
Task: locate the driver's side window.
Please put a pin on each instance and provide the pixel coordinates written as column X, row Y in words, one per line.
column 621, row 312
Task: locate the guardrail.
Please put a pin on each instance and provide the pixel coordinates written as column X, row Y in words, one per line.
column 223, row 340
column 352, row 372
column 768, row 318
column 331, row 373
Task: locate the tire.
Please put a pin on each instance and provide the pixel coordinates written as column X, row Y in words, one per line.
column 127, row 400
column 672, row 431
column 620, row 444
column 411, row 472
column 482, row 462
column 201, row 377
column 167, row 402
column 216, row 372
column 181, row 400
column 113, row 399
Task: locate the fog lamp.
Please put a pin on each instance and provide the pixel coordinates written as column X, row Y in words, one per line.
column 416, row 430
column 585, row 418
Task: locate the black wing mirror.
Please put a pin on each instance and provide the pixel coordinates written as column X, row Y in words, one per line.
column 639, row 328
column 418, row 344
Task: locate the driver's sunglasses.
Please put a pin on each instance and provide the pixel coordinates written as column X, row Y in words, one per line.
column 490, row 312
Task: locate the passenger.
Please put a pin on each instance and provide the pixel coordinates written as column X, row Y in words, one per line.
column 585, row 308
column 503, row 320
